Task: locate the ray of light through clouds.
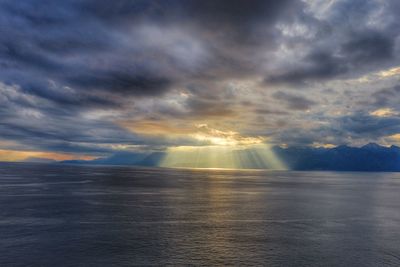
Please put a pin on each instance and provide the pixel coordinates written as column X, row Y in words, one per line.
column 219, row 149
column 208, row 83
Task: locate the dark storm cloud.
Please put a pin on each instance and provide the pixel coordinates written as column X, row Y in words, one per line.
column 87, row 26
column 13, row 53
column 294, row 102
column 208, row 108
column 65, row 135
column 318, row 66
column 368, row 47
column 229, row 15
column 123, row 82
column 360, row 49
column 79, row 43
column 349, row 40
column 369, row 126
column 57, row 42
column 386, row 96
column 265, row 111
column 60, row 60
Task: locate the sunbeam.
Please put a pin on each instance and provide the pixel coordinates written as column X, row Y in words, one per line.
column 260, row 156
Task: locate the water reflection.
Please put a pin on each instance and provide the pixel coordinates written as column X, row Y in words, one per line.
column 84, row 216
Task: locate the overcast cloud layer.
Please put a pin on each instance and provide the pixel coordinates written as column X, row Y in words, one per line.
column 95, row 77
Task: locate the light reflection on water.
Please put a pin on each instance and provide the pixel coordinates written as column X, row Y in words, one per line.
column 79, row 216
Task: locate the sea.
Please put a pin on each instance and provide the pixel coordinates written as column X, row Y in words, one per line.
column 65, row 215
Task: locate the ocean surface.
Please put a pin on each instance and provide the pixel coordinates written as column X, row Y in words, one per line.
column 58, row 215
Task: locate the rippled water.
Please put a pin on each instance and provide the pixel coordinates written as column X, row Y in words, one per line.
column 101, row 216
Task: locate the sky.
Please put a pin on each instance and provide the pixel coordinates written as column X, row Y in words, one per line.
column 83, row 79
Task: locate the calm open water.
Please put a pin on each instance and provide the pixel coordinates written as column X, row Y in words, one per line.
column 53, row 215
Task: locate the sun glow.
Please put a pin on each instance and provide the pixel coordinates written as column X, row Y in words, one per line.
column 384, row 112
column 229, row 140
column 212, row 136
column 223, row 149
column 258, row 156
column 212, row 148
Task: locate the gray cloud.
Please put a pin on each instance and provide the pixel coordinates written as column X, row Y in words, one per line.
column 294, row 102
column 318, row 66
column 368, row 47
column 367, row 126
column 386, row 96
column 67, row 65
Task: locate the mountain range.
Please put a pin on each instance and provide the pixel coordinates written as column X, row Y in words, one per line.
column 371, row 157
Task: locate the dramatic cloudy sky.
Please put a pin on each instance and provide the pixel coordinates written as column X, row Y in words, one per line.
column 87, row 78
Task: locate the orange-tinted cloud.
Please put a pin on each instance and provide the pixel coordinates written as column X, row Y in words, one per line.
column 148, row 127
column 14, row 155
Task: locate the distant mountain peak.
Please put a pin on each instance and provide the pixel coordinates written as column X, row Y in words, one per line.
column 394, row 147
column 372, row 146
column 341, row 147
